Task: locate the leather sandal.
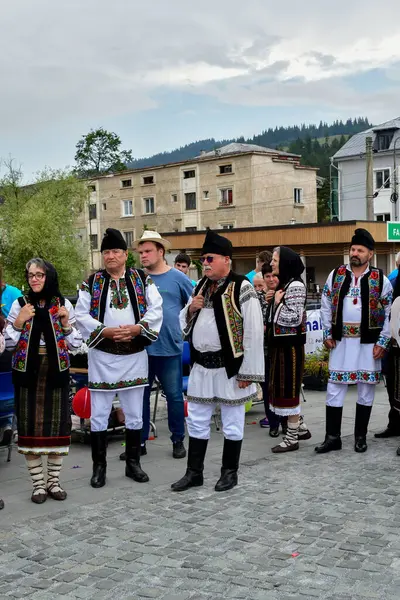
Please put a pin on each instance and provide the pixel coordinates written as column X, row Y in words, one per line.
column 39, row 498
column 59, row 495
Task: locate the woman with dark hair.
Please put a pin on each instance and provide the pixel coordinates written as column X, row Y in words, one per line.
column 40, row 329
column 286, row 340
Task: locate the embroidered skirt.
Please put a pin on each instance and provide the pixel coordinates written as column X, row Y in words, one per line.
column 286, row 376
column 43, row 416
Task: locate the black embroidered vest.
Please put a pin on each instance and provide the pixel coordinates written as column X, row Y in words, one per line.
column 228, row 318
column 372, row 310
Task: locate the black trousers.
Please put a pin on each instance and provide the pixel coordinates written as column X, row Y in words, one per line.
column 390, row 365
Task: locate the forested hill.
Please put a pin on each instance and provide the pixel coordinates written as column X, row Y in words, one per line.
column 277, row 137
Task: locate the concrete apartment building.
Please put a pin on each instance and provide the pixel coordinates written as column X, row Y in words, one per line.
column 351, row 169
column 236, row 186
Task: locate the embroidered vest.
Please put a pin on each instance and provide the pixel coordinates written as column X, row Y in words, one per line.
column 97, row 285
column 57, row 354
column 228, row 318
column 281, row 335
column 372, row 309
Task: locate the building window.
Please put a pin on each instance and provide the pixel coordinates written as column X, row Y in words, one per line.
column 126, row 183
column 382, row 179
column 174, row 197
column 128, row 235
column 384, row 217
column 104, row 206
column 189, row 174
column 148, row 205
column 91, row 188
column 191, row 228
column 223, row 169
column 92, row 211
column 128, row 208
column 94, row 242
column 226, row 225
column 226, row 196
column 384, row 140
column 190, row 201
column 148, row 180
column 206, row 195
column 298, row 195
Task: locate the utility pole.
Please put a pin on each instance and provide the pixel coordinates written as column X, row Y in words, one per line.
column 369, row 179
column 395, row 196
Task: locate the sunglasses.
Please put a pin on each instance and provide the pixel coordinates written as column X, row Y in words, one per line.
column 208, row 259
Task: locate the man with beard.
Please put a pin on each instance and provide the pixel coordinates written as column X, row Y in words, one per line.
column 355, row 310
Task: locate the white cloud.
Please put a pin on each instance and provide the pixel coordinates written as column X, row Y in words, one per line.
column 62, row 63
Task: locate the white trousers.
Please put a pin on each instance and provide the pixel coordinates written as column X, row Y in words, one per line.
column 131, row 403
column 336, row 393
column 199, row 418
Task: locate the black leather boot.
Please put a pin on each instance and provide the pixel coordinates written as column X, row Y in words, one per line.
column 195, row 466
column 363, row 414
column 133, row 452
column 98, row 441
column 230, row 465
column 333, row 430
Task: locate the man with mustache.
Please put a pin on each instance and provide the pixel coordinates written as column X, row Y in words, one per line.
column 224, row 324
column 355, row 308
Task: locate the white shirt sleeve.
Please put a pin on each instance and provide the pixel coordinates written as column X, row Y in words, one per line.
column 326, row 308
column 252, row 367
column 152, row 319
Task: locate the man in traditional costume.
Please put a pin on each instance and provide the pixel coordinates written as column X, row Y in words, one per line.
column 119, row 312
column 224, row 324
column 355, row 310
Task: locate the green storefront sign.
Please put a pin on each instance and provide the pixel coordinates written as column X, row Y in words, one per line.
column 393, row 231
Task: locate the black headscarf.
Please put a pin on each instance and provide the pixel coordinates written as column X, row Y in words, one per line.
column 290, row 266
column 50, row 289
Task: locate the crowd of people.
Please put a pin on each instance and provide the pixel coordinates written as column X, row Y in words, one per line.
column 242, row 331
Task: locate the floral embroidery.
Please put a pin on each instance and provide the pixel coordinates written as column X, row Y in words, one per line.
column 376, row 310
column 326, row 291
column 119, row 297
column 384, row 342
column 351, row 330
column 94, row 336
column 103, row 385
column 97, row 288
column 20, row 355
column 235, row 328
column 354, row 376
column 327, row 334
column 336, row 287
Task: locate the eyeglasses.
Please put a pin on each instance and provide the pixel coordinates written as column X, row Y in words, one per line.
column 208, row 259
column 39, row 276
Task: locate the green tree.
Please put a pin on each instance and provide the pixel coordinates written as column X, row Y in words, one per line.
column 131, row 261
column 40, row 220
column 99, row 152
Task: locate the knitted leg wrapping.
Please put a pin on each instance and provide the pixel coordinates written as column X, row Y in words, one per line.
column 35, row 468
column 54, row 466
column 292, row 436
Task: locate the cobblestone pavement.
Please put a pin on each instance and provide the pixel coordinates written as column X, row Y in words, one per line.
column 298, row 526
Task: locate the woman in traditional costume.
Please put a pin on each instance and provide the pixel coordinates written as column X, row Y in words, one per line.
column 286, row 340
column 40, row 330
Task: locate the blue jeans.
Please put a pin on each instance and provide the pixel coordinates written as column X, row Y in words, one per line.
column 168, row 370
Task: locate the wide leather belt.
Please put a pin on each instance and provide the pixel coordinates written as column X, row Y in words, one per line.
column 209, row 360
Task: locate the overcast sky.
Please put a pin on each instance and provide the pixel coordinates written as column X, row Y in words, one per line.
column 163, row 73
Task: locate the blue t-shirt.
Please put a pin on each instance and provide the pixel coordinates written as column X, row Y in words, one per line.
column 393, row 276
column 175, row 289
column 8, row 295
column 250, row 276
